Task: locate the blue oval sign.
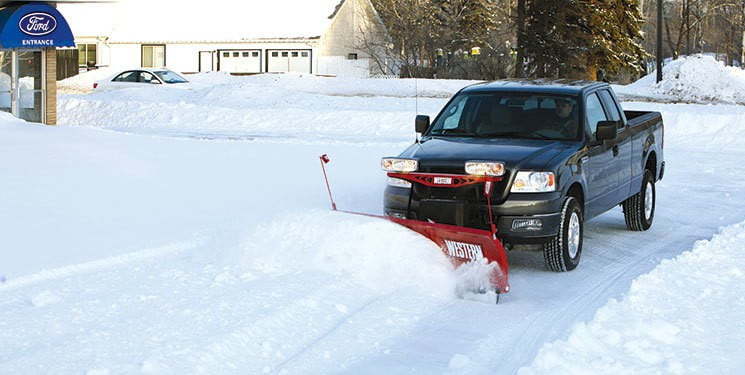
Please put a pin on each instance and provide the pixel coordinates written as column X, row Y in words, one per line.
column 37, row 24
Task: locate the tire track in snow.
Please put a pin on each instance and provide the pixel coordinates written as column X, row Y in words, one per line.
column 291, row 328
column 553, row 322
column 98, row 265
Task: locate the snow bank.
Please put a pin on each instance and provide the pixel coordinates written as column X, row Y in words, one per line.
column 697, row 126
column 696, row 78
column 278, row 106
column 683, row 317
column 374, row 253
column 83, row 82
column 308, row 83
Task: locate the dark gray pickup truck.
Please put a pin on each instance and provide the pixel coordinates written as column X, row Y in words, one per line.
column 566, row 152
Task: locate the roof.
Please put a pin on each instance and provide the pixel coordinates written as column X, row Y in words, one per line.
column 541, row 85
column 217, row 20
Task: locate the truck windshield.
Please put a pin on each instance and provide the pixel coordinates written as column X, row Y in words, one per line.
column 508, row 115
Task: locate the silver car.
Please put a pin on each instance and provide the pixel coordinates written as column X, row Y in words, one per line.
column 141, row 77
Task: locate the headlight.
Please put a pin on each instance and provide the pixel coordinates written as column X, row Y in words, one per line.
column 484, row 168
column 399, row 165
column 534, row 182
column 397, row 182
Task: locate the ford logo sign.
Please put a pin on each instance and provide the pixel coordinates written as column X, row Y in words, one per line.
column 37, row 24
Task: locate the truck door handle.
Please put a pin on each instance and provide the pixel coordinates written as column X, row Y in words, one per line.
column 615, row 150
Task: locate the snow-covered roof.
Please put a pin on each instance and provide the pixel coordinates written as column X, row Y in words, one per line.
column 173, row 20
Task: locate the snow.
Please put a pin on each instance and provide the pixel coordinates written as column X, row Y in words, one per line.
column 83, row 82
column 351, row 249
column 221, row 106
column 188, row 231
column 694, row 79
column 683, row 317
column 45, row 298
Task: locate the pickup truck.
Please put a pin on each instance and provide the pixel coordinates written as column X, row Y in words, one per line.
column 566, row 150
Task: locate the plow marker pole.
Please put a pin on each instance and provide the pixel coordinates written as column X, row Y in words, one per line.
column 324, row 160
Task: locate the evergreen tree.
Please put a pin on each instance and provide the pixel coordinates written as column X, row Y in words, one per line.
column 577, row 38
column 464, row 24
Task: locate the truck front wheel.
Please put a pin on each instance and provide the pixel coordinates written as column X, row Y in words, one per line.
column 562, row 252
column 639, row 209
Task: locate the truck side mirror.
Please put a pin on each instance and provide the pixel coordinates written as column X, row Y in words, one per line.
column 421, row 124
column 606, row 131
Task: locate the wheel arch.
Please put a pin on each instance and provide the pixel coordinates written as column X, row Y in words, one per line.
column 651, row 163
column 576, row 190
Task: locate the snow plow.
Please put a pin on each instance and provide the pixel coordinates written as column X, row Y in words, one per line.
column 461, row 244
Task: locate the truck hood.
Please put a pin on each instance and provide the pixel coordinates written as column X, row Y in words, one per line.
column 448, row 154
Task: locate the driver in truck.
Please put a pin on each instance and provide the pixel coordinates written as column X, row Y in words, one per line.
column 562, row 117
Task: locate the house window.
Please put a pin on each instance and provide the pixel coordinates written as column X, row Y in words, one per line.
column 153, row 55
column 245, row 54
column 285, row 54
column 226, row 54
column 86, row 55
column 236, row 54
column 255, row 54
column 275, row 54
column 352, row 56
column 295, row 54
column 304, row 54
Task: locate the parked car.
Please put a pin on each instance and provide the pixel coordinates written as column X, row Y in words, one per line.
column 563, row 151
column 142, row 77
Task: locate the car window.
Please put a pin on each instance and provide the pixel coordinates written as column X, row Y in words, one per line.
column 146, row 77
column 130, row 76
column 169, row 76
column 595, row 113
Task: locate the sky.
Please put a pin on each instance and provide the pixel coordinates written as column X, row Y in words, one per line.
column 132, row 20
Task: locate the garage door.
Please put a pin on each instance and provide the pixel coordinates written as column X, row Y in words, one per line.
column 240, row 61
column 296, row 61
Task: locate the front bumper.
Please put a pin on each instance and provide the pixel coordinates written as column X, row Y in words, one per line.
column 543, row 208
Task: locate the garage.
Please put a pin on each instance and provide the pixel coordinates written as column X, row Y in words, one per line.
column 282, row 61
column 239, row 61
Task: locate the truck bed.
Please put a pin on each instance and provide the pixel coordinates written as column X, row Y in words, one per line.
column 635, row 118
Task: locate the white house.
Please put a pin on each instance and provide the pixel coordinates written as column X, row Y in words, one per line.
column 305, row 36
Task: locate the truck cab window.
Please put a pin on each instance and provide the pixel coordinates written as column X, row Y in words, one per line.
column 595, row 113
column 609, row 104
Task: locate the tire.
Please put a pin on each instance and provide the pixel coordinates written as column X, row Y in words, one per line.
column 562, row 253
column 639, row 209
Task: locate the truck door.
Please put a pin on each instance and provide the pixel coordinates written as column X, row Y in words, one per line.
column 599, row 165
column 624, row 143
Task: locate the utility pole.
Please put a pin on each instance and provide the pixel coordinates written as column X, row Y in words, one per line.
column 659, row 40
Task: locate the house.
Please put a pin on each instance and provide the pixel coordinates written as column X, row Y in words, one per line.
column 304, row 36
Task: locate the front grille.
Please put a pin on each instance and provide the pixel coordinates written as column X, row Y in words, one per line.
column 469, row 193
column 465, row 205
column 453, row 213
column 441, row 169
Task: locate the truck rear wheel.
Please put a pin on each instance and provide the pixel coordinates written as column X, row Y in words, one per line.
column 562, row 252
column 639, row 209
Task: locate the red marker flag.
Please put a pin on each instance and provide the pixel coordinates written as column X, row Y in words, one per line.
column 325, row 159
